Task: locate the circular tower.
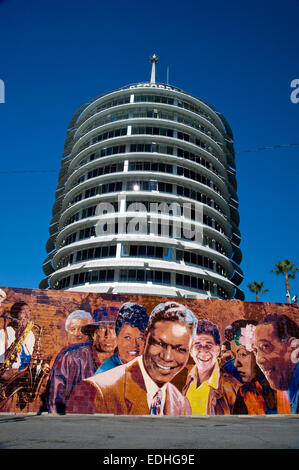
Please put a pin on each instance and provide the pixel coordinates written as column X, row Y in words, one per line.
column 146, row 201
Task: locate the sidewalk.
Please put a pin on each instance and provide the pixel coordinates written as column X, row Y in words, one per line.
column 31, row 431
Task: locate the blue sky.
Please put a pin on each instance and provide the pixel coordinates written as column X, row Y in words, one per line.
column 240, row 57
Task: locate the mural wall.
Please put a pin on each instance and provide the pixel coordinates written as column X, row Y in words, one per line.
column 75, row 352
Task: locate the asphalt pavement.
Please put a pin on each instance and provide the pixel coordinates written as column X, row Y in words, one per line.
column 31, row 431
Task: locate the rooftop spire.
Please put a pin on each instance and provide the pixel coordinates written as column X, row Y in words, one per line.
column 154, row 59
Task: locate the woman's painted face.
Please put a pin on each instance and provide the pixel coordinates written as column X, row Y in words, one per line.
column 130, row 343
column 244, row 362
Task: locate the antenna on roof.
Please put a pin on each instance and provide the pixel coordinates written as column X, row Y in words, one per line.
column 167, row 76
column 154, row 59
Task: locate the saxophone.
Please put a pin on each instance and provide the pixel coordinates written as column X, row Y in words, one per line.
column 14, row 349
column 35, row 379
column 11, row 385
column 26, row 382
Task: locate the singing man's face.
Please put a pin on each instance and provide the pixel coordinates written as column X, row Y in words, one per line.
column 166, row 350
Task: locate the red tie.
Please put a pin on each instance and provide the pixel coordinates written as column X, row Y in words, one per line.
column 156, row 403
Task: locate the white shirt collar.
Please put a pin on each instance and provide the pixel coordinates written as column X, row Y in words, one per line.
column 151, row 386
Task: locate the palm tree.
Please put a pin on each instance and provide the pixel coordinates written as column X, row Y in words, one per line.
column 286, row 268
column 257, row 287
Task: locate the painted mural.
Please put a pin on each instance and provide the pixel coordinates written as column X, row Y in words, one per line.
column 75, row 352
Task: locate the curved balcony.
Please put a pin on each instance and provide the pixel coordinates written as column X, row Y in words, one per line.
column 213, row 116
column 175, row 161
column 156, row 177
column 237, row 254
column 217, row 160
column 176, row 126
column 131, row 108
column 143, row 268
column 44, row 284
column 239, row 294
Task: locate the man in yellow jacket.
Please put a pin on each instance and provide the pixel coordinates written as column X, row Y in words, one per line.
column 209, row 389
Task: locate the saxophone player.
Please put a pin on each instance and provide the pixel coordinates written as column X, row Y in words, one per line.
column 19, row 325
column 17, row 331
